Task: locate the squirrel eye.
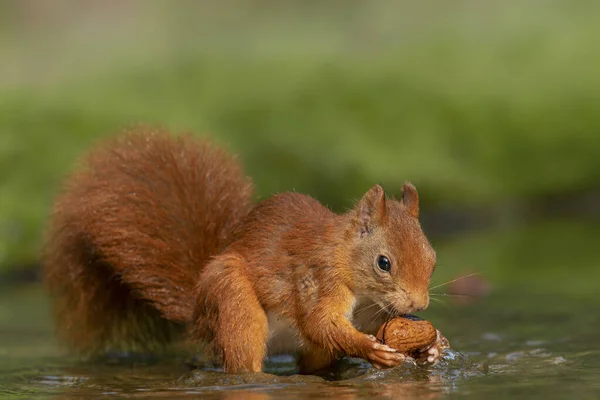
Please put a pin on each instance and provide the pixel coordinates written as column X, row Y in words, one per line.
column 384, row 263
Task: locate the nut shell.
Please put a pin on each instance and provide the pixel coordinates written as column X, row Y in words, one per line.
column 407, row 334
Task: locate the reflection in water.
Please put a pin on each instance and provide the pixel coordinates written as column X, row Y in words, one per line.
column 504, row 343
column 245, row 394
column 354, row 379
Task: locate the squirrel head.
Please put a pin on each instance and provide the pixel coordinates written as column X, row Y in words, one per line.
column 391, row 259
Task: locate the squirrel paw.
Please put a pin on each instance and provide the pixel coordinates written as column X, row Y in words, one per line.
column 380, row 355
column 433, row 354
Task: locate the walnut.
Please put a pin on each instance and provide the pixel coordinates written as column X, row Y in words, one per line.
column 410, row 335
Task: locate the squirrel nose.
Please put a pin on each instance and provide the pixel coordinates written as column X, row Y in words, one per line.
column 420, row 303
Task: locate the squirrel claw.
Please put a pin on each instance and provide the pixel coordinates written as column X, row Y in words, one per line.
column 433, row 354
column 382, row 356
column 377, row 345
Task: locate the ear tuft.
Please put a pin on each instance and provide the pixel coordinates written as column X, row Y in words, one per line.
column 371, row 210
column 410, row 199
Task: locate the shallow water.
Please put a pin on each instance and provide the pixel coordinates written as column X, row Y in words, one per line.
column 514, row 344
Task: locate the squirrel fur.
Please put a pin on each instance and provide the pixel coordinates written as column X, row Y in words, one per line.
column 156, row 235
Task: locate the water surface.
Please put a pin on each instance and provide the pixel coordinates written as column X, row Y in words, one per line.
column 516, row 344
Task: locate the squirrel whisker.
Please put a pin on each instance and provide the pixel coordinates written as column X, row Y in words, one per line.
column 454, row 280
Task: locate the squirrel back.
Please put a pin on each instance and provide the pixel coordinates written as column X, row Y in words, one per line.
column 130, row 233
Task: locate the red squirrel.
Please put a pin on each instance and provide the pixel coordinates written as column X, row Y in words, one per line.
column 157, row 234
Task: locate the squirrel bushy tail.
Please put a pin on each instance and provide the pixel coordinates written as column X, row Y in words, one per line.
column 131, row 231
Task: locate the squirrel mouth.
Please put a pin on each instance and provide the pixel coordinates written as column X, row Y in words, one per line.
column 394, row 310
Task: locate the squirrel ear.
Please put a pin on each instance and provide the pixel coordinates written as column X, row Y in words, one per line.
column 371, row 210
column 410, row 199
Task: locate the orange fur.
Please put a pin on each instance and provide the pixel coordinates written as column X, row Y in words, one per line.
column 157, row 234
column 130, row 233
column 295, row 259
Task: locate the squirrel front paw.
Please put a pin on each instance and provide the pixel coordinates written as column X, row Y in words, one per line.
column 380, row 355
column 433, row 353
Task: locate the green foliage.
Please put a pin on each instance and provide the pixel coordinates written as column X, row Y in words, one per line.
column 473, row 105
column 548, row 257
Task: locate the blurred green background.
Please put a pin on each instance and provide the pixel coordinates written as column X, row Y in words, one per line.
column 489, row 108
